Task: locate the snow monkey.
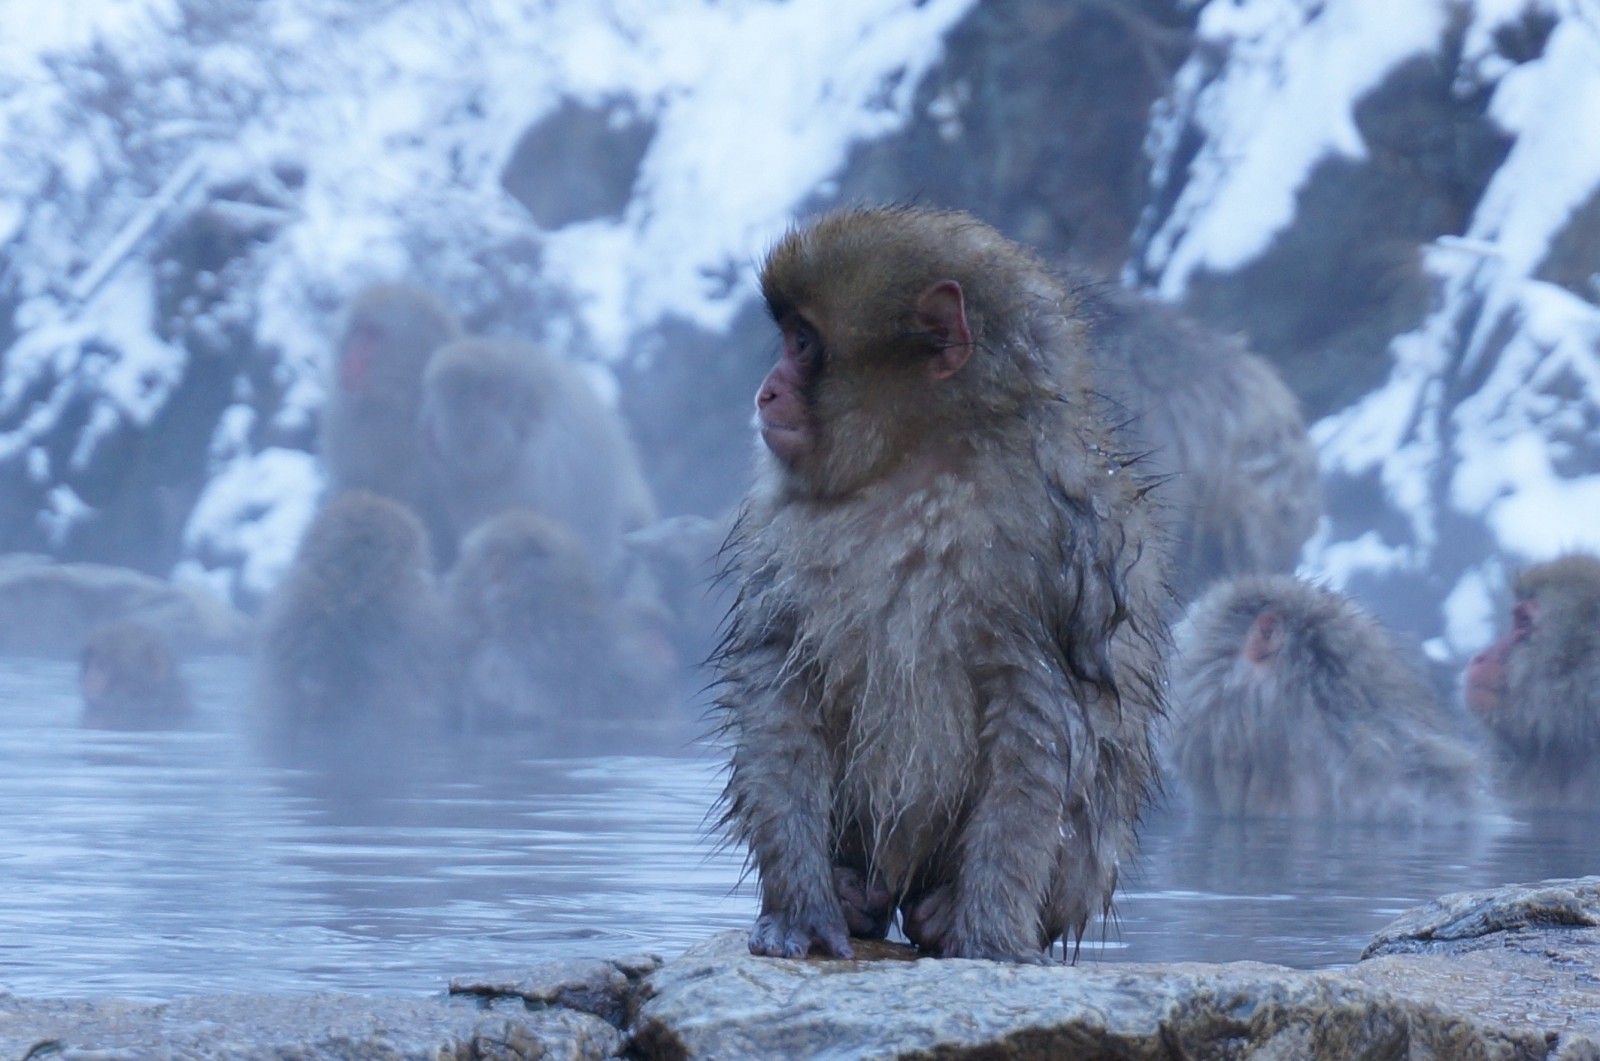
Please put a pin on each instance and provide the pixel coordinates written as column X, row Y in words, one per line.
column 355, row 631
column 1537, row 689
column 1290, row 701
column 540, row 642
column 1244, row 493
column 129, row 679
column 509, row 426
column 369, row 435
column 945, row 655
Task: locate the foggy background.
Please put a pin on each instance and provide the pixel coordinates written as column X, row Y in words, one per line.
column 1398, row 204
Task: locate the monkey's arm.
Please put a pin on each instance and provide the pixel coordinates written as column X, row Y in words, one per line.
column 778, row 802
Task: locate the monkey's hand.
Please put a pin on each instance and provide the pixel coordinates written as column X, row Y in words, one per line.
column 867, row 908
column 796, row 933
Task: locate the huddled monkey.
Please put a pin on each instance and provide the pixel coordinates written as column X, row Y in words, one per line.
column 1290, row 701
column 1241, row 487
column 506, row 425
column 539, row 639
column 1537, row 688
column 368, row 434
column 129, row 679
column 356, row 632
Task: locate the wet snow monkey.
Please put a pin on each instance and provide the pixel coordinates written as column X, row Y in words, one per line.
column 1537, row 689
column 945, row 654
column 129, row 679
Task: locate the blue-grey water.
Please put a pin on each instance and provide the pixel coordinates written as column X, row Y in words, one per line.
column 155, row 864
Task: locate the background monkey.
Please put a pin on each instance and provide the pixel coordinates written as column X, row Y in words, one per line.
column 1240, row 485
column 369, row 437
column 129, row 679
column 355, row 631
column 1537, row 688
column 509, row 426
column 1290, row 701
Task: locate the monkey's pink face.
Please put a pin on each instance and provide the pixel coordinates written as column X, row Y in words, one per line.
column 783, row 403
column 355, row 361
column 1484, row 684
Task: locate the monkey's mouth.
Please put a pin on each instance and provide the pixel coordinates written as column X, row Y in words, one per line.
column 1482, row 697
column 786, row 441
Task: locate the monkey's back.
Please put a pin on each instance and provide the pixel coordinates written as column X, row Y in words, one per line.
column 326, row 655
column 1341, row 726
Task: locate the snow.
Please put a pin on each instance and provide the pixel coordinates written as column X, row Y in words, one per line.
column 1284, row 101
column 401, row 117
column 249, row 521
column 1491, row 412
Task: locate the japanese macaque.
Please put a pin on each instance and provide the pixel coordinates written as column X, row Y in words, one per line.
column 355, row 632
column 540, row 640
column 509, row 426
column 1289, row 701
column 130, row 680
column 1537, row 689
column 1243, row 495
column 941, row 670
column 369, row 435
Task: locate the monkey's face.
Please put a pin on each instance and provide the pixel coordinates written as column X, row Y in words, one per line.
column 850, row 397
column 1485, row 683
column 786, row 400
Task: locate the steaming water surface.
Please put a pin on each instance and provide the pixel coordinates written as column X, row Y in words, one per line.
column 210, row 859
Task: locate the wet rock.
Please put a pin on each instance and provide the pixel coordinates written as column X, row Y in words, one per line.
column 1465, row 921
column 1524, row 955
column 1486, row 975
column 605, row 988
column 304, row 1027
column 718, row 1001
column 48, row 608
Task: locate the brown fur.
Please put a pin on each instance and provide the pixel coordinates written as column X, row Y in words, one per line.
column 1290, row 701
column 1217, row 420
column 512, row 427
column 355, row 631
column 130, row 680
column 1539, row 694
column 945, row 654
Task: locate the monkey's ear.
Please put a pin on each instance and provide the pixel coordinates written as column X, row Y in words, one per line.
column 942, row 312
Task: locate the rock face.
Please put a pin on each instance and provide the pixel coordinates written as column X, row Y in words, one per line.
column 568, row 1011
column 1485, row 975
column 719, row 1002
column 48, row 608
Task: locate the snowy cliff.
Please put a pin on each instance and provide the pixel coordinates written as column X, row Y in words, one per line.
column 1397, row 203
column 1481, row 447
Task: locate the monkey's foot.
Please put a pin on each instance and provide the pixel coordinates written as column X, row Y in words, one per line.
column 867, row 906
column 926, row 919
column 794, row 935
column 931, row 922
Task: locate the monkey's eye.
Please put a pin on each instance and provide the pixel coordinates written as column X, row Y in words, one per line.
column 804, row 345
column 1522, row 620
